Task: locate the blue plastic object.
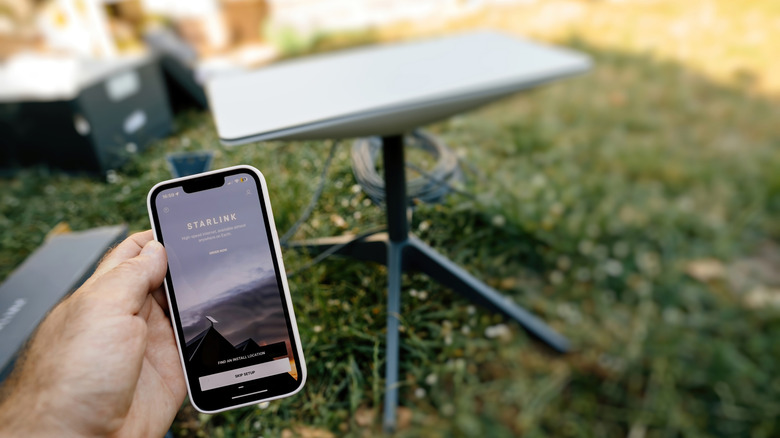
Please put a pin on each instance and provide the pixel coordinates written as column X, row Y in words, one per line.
column 189, row 163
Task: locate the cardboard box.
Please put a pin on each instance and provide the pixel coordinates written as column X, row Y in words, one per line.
column 245, row 20
column 117, row 108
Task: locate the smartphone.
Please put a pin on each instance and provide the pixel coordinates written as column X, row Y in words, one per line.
column 227, row 290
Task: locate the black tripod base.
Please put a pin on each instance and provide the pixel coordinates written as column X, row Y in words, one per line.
column 418, row 256
column 413, row 254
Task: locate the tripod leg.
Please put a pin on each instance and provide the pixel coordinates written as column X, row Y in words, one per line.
column 370, row 248
column 394, row 273
column 423, row 258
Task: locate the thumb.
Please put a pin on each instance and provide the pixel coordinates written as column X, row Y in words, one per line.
column 128, row 283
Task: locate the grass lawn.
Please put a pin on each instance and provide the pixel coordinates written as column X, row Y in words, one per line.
column 636, row 209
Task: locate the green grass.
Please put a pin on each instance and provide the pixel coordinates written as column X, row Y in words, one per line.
column 595, row 194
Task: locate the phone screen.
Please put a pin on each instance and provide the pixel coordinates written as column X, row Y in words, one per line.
column 227, row 290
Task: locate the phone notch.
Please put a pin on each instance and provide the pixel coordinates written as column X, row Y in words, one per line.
column 203, row 183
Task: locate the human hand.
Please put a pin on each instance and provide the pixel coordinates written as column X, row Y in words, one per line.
column 104, row 361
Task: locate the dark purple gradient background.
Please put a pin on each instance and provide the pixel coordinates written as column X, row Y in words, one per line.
column 237, row 287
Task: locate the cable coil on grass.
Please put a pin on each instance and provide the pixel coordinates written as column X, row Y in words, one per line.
column 429, row 187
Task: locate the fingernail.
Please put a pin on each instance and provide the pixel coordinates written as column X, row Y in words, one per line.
column 151, row 247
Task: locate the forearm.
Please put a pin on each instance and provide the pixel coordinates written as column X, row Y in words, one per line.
column 28, row 406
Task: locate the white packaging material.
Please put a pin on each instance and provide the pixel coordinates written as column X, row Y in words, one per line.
column 29, row 76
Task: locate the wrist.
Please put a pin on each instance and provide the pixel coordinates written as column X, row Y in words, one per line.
column 24, row 414
column 18, row 416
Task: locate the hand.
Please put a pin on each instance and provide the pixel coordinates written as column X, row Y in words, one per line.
column 104, row 361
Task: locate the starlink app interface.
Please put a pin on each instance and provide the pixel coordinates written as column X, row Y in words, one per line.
column 225, row 286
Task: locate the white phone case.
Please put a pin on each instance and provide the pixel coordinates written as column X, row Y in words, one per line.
column 286, row 289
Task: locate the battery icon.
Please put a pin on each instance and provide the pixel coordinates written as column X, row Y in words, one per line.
column 242, row 179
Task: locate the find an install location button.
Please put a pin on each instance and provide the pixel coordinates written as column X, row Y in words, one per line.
column 245, row 374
